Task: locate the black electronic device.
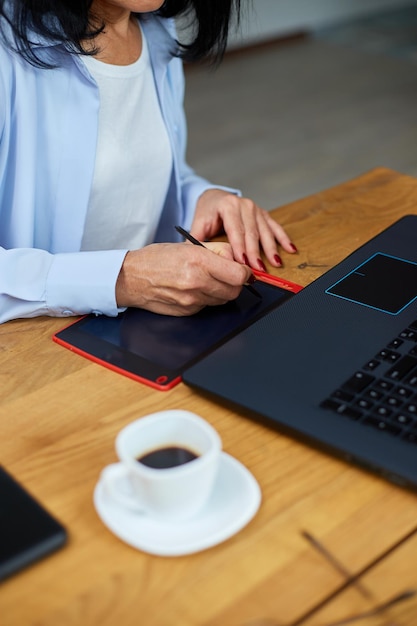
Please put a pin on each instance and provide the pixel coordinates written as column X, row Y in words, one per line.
column 336, row 365
column 158, row 349
column 28, row 532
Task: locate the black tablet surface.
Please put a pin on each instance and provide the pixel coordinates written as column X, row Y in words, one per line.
column 157, row 349
column 28, row 532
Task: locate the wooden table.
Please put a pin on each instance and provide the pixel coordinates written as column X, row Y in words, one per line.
column 60, row 413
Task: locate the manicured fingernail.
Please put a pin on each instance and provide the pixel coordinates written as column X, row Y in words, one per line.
column 294, row 248
column 251, row 280
column 261, row 265
column 245, row 259
column 277, row 259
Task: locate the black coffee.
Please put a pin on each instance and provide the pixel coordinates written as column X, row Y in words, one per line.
column 171, row 456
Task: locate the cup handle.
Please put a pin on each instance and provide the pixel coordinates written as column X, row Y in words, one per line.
column 116, row 482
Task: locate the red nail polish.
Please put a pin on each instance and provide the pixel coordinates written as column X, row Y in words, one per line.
column 278, row 260
column 293, row 247
column 245, row 259
column 262, row 265
column 251, row 279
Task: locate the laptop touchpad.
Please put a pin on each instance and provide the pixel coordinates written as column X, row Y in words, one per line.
column 383, row 282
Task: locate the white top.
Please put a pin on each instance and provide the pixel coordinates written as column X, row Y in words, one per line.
column 133, row 159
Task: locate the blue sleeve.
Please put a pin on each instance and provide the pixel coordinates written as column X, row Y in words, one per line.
column 35, row 282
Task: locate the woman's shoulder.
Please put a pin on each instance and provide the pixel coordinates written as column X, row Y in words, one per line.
column 27, row 48
column 159, row 28
column 7, row 56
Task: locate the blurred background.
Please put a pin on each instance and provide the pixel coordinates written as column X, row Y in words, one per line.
column 310, row 94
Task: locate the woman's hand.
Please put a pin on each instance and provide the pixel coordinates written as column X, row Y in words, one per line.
column 248, row 227
column 179, row 278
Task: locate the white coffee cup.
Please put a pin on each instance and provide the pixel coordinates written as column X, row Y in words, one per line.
column 172, row 493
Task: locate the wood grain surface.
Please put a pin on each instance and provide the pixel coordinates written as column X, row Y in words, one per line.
column 60, row 414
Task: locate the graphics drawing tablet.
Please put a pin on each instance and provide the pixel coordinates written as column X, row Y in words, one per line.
column 156, row 349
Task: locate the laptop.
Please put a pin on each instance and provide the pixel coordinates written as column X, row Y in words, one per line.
column 336, row 364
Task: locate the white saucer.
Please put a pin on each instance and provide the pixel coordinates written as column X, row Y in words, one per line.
column 235, row 500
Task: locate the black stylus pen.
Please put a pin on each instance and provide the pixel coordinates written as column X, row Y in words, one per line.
column 196, row 242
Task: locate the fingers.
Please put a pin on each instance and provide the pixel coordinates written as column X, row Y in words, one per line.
column 249, row 228
column 271, row 233
column 208, row 220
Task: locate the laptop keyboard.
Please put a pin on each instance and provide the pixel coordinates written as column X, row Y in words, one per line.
column 383, row 394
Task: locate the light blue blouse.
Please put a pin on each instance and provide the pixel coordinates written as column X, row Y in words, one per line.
column 48, row 134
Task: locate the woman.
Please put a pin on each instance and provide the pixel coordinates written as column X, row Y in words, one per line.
column 93, row 175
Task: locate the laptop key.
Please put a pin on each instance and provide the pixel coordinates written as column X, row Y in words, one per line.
column 401, row 418
column 403, row 392
column 381, row 425
column 395, row 343
column 411, row 380
column 393, row 402
column 341, row 408
column 402, row 367
column 358, row 382
column 382, row 411
column 374, row 394
column 331, row 405
column 343, row 396
column 411, row 335
column 371, row 365
column 383, row 385
column 365, row 404
column 388, row 355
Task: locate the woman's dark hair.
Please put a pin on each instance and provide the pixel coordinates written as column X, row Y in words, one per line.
column 70, row 22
